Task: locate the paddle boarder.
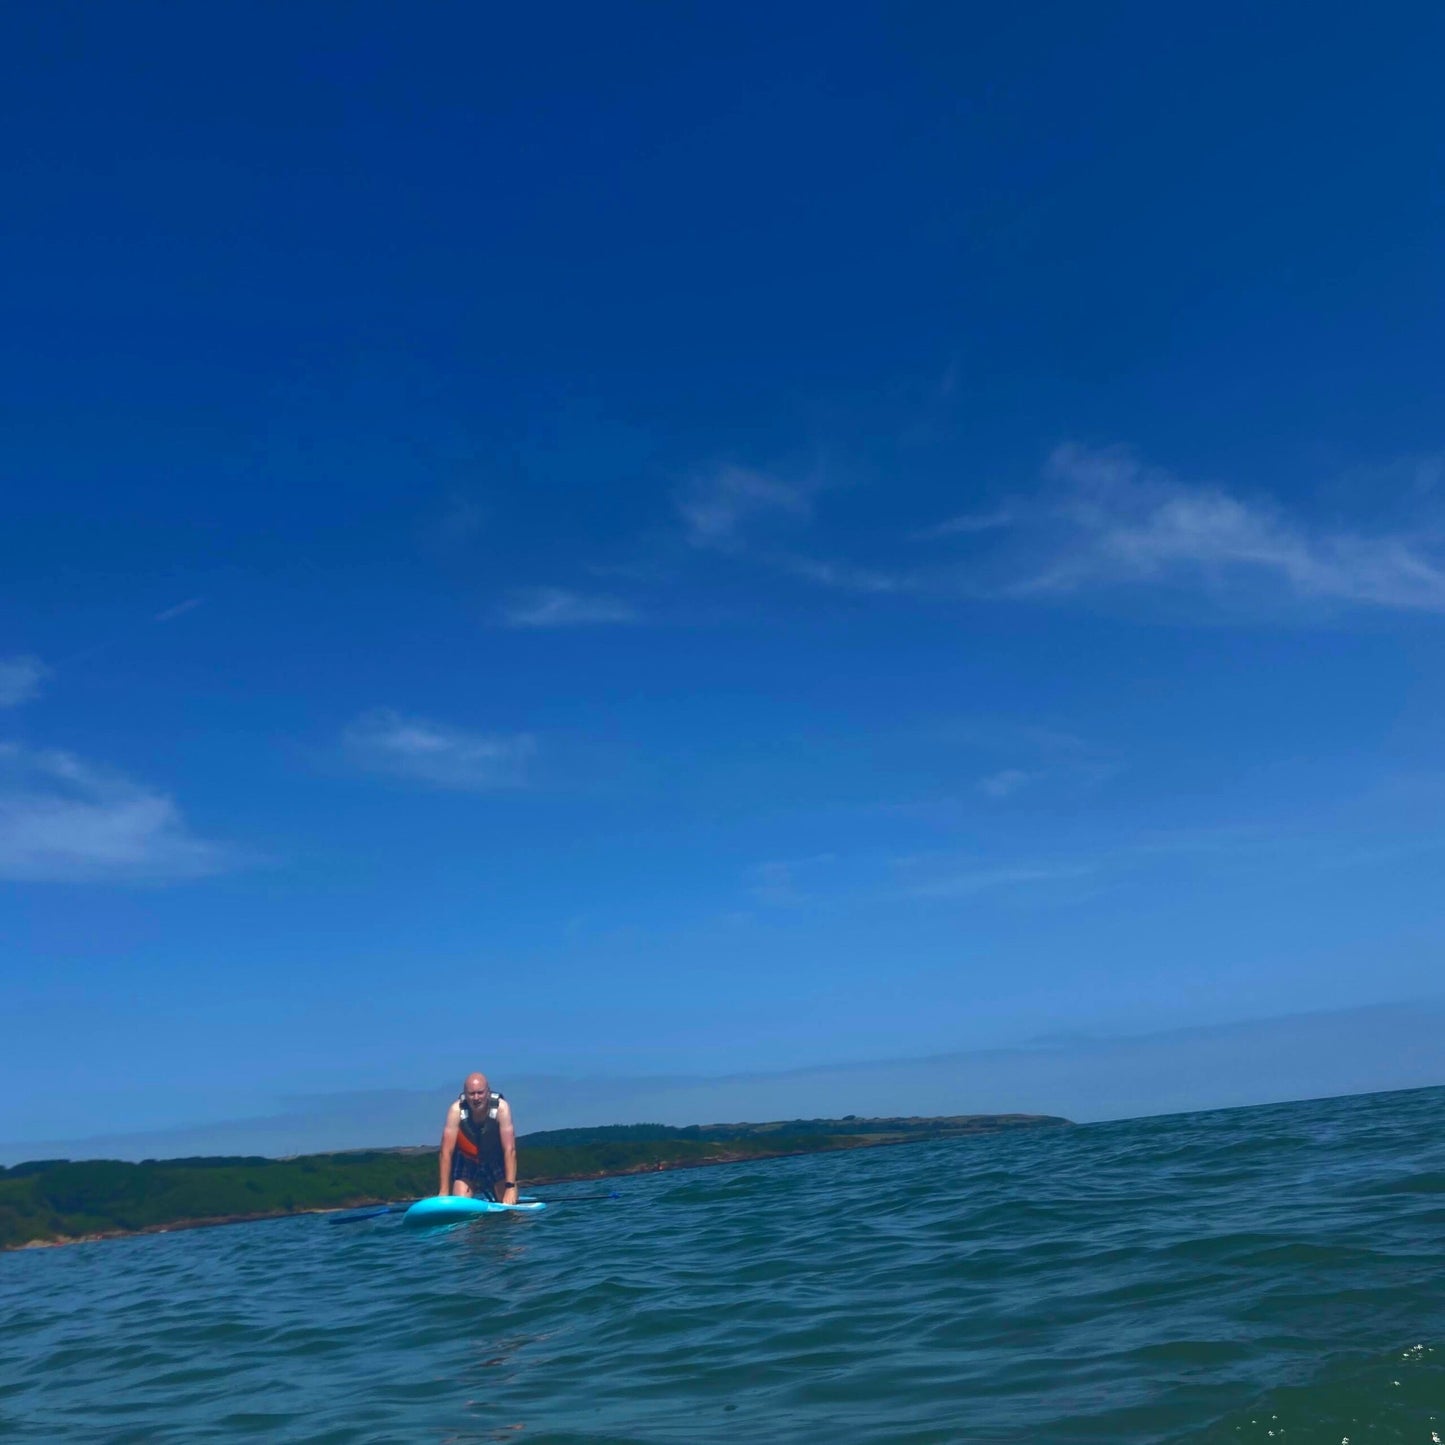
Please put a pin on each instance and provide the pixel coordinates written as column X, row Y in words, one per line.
column 479, row 1145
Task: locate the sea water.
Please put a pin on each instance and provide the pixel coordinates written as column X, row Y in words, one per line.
column 1250, row 1275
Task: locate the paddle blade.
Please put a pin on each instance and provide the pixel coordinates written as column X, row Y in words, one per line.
column 367, row 1214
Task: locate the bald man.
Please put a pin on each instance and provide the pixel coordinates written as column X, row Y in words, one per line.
column 479, row 1145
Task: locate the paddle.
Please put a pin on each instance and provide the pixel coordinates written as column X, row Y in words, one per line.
column 369, row 1213
column 380, row 1209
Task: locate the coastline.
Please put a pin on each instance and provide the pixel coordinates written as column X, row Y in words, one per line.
column 827, row 1144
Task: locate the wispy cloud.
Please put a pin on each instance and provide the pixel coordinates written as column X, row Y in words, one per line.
column 779, row 883
column 1005, row 783
column 1047, row 764
column 443, row 757
column 458, row 522
column 64, row 820
column 775, row 884
column 966, row 524
column 180, row 609
column 844, row 576
column 1097, row 519
column 970, row 882
column 556, row 607
column 736, row 511
column 718, row 507
column 21, row 679
column 1122, row 522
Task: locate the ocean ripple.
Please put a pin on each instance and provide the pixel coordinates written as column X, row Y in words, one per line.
column 1269, row 1274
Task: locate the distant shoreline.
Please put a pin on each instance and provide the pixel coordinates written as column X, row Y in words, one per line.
column 382, row 1176
column 663, row 1167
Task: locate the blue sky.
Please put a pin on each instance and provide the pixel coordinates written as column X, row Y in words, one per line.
column 680, row 540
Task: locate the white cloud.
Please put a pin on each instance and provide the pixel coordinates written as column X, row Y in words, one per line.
column 725, row 511
column 1126, row 523
column 555, row 607
column 1005, row 783
column 1102, row 519
column 774, row 883
column 715, row 509
column 971, row 882
column 965, row 525
column 63, row 820
column 458, row 523
column 779, row 884
column 845, row 577
column 20, row 679
column 180, row 609
column 426, row 752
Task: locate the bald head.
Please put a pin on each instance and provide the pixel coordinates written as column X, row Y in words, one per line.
column 476, row 1086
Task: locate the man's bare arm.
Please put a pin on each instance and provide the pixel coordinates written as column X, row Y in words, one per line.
column 509, row 1149
column 449, row 1144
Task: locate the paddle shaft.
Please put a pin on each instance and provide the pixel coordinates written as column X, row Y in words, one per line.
column 379, row 1210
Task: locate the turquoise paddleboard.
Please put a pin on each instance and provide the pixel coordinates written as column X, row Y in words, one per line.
column 452, row 1208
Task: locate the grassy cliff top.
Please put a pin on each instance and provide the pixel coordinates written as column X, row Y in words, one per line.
column 54, row 1200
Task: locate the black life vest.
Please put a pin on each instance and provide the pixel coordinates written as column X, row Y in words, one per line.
column 484, row 1140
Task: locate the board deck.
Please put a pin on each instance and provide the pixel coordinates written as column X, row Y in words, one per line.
column 452, row 1208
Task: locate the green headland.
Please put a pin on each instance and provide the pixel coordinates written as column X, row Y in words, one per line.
column 57, row 1201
